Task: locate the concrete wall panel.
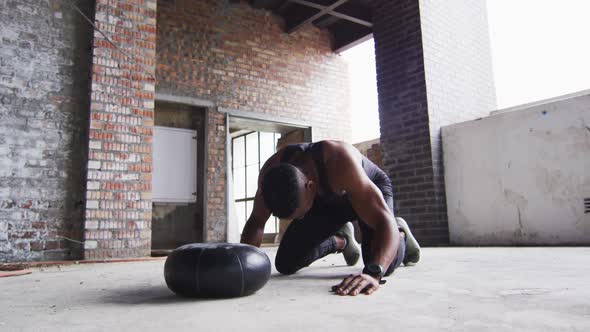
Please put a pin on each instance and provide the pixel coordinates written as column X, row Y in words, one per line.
column 520, row 177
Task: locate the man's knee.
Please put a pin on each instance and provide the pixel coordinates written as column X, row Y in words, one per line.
column 285, row 264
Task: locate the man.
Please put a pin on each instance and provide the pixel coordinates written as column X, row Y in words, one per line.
column 322, row 186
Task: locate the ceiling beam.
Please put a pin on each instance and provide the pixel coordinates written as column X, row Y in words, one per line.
column 326, row 21
column 322, row 12
column 346, row 46
column 351, row 19
column 333, row 13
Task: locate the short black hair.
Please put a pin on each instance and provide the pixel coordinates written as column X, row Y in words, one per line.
column 281, row 188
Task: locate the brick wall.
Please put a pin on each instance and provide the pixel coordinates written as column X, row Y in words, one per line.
column 429, row 72
column 239, row 58
column 118, row 205
column 457, row 60
column 372, row 150
column 44, row 70
column 216, row 221
column 403, row 111
column 459, row 78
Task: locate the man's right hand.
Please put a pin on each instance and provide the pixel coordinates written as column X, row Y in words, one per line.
column 254, row 229
column 252, row 234
column 355, row 284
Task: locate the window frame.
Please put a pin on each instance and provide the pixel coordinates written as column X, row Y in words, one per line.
column 247, row 198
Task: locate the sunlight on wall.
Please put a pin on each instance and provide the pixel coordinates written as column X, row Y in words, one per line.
column 363, row 91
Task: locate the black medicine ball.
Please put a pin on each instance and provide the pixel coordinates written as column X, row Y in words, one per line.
column 216, row 270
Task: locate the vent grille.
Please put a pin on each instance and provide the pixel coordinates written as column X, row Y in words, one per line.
column 586, row 205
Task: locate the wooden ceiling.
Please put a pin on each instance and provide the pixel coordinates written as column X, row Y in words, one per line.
column 349, row 21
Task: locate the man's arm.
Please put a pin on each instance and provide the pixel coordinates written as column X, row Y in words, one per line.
column 370, row 206
column 254, row 228
column 368, row 203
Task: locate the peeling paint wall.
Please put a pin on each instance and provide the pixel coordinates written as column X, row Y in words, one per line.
column 520, row 176
column 45, row 63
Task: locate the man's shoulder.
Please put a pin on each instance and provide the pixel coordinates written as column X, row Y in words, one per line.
column 332, row 146
column 337, row 148
column 338, row 154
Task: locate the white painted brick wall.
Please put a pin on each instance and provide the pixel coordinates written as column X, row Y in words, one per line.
column 44, row 70
column 457, row 61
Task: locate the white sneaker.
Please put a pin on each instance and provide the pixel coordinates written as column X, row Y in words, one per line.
column 352, row 251
column 412, row 247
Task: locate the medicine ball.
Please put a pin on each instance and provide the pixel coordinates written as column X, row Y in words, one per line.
column 216, row 270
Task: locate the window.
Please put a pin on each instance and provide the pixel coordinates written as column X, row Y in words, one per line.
column 250, row 152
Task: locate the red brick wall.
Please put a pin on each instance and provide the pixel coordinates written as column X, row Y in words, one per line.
column 216, row 220
column 239, row 58
column 118, row 199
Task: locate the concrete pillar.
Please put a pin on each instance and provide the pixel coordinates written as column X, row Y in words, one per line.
column 433, row 69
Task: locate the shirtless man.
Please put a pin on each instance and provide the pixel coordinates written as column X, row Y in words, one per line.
column 323, row 186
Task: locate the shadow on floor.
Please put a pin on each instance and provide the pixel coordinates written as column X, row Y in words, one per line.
column 146, row 295
column 336, row 272
column 300, row 276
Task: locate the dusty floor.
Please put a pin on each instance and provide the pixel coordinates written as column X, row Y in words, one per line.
column 457, row 289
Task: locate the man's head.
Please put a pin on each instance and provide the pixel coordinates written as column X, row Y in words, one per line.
column 287, row 192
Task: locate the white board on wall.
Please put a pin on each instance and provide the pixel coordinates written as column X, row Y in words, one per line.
column 174, row 177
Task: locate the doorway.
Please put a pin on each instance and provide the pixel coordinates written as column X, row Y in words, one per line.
column 251, row 143
column 178, row 175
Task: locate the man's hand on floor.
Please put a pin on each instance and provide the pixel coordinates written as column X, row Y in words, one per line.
column 356, row 284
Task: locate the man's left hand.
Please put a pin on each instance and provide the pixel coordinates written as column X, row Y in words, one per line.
column 356, row 284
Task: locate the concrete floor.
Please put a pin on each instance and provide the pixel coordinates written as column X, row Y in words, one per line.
column 458, row 289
